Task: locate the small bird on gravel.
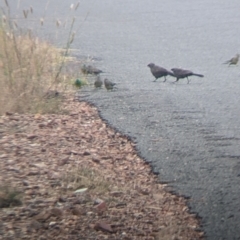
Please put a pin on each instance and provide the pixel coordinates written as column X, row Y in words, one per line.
column 108, row 84
column 90, row 70
column 98, row 82
column 182, row 73
column 233, row 60
column 159, row 72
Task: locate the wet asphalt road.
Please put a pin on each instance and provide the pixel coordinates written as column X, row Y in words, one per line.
column 190, row 133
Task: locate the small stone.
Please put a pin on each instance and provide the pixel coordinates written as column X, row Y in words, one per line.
column 33, row 173
column 101, row 207
column 51, row 224
column 116, row 193
column 14, row 118
column 43, row 216
column 76, row 211
column 96, row 160
column 74, row 152
column 97, row 201
column 56, row 212
column 62, row 199
column 25, row 183
column 11, row 214
column 31, row 136
column 105, row 227
column 53, row 175
column 86, row 153
column 90, row 213
column 35, row 225
column 63, row 161
column 8, row 113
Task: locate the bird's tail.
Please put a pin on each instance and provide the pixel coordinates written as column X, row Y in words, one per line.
column 198, row 75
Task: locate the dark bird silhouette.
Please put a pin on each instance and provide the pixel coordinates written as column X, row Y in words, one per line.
column 182, row 73
column 90, row 70
column 98, row 82
column 159, row 72
column 108, row 84
column 233, row 60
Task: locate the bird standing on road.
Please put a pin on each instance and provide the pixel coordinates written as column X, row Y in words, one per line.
column 108, row 84
column 98, row 82
column 159, row 72
column 232, row 61
column 90, row 70
column 182, row 73
column 84, row 69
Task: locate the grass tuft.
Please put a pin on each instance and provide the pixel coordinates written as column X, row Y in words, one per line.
column 27, row 70
column 9, row 197
column 84, row 177
column 30, row 68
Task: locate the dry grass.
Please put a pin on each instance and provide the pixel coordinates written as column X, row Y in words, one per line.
column 9, row 197
column 85, row 177
column 27, row 72
column 29, row 68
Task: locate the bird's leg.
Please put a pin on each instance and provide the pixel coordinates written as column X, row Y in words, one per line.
column 177, row 80
column 165, row 79
column 155, row 80
column 187, row 80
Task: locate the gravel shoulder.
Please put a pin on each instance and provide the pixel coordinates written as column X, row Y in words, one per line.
column 44, row 159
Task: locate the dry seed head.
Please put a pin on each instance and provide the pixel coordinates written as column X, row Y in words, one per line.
column 4, row 18
column 6, row 2
column 41, row 21
column 15, row 24
column 25, row 13
column 58, row 23
column 73, row 20
column 46, row 7
column 72, row 37
column 31, row 9
column 72, row 6
column 77, row 5
column 9, row 35
column 64, row 24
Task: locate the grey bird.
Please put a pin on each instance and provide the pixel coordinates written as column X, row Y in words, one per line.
column 90, row 70
column 108, row 84
column 98, row 82
column 233, row 60
column 84, row 69
column 159, row 72
column 182, row 73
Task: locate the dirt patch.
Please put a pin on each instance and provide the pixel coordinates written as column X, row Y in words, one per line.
column 74, row 177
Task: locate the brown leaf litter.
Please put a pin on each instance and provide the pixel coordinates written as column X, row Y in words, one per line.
column 80, row 179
